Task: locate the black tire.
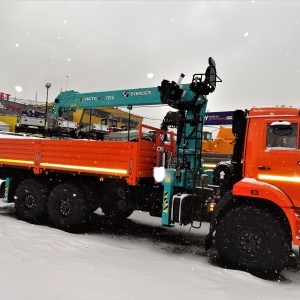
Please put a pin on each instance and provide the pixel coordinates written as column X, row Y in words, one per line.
column 2, row 189
column 115, row 203
column 251, row 239
column 67, row 206
column 31, row 200
column 113, row 212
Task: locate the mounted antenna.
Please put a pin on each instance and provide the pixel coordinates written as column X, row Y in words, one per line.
column 67, row 83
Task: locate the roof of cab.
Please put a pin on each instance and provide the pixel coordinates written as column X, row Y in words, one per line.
column 273, row 111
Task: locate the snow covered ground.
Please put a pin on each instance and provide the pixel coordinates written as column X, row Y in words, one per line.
column 139, row 260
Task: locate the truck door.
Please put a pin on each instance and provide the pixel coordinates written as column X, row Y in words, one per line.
column 279, row 161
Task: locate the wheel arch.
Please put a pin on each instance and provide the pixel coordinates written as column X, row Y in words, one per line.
column 250, row 187
column 230, row 201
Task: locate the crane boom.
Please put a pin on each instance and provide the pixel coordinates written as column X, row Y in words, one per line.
column 70, row 100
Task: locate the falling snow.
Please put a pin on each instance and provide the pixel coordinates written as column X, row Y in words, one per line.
column 18, row 89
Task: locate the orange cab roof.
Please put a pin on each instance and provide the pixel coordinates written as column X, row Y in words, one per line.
column 273, row 111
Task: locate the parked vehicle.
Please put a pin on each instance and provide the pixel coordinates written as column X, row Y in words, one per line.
column 62, row 128
column 95, row 131
column 31, row 121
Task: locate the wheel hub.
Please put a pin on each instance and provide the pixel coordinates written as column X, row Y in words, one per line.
column 250, row 244
column 29, row 202
column 65, row 208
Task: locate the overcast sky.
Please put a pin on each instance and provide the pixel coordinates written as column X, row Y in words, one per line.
column 112, row 45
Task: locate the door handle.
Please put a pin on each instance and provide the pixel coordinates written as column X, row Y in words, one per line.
column 264, row 168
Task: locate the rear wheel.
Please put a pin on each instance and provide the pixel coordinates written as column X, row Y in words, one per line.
column 30, row 200
column 67, row 206
column 116, row 205
column 114, row 212
column 251, row 239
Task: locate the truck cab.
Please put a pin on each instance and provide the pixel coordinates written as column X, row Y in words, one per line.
column 272, row 150
column 258, row 216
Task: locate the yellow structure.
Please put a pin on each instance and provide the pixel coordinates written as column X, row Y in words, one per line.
column 10, row 120
column 121, row 116
column 223, row 143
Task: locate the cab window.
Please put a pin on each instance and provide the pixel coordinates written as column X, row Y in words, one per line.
column 284, row 141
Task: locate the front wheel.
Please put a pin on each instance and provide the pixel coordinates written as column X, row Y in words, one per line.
column 251, row 239
column 67, row 206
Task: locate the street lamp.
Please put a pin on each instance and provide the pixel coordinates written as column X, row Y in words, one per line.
column 48, row 86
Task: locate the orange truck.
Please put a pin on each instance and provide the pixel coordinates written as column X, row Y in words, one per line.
column 254, row 198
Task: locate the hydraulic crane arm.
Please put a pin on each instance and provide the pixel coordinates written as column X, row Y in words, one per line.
column 176, row 95
column 70, row 100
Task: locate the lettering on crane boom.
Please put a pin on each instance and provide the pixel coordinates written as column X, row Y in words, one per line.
column 138, row 93
column 97, row 98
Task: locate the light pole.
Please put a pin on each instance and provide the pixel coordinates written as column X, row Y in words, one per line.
column 48, row 86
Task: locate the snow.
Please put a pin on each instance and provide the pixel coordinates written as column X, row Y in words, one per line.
column 137, row 260
column 257, row 183
column 18, row 88
column 285, row 123
column 13, row 135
